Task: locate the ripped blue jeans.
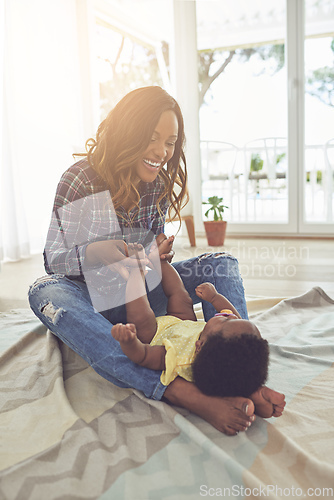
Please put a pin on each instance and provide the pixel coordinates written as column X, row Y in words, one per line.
column 64, row 306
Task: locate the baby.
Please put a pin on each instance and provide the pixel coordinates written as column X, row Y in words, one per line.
column 224, row 357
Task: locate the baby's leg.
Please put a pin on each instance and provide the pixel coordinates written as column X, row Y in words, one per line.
column 268, row 403
column 179, row 302
column 138, row 309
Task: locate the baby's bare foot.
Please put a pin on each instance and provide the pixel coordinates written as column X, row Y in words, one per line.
column 165, row 244
column 160, row 249
column 268, row 403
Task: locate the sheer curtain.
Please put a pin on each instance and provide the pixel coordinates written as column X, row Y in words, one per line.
column 42, row 114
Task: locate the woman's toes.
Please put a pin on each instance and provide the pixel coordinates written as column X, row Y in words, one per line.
column 231, row 432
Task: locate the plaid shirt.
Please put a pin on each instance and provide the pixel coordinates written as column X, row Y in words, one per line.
column 83, row 213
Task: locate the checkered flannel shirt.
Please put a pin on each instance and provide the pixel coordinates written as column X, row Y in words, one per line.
column 83, row 213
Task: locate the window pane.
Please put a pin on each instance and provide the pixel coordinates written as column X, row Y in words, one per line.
column 125, row 63
column 243, row 115
column 319, row 112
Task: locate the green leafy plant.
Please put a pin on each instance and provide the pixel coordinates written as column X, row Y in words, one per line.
column 319, row 176
column 280, row 157
column 256, row 162
column 216, row 206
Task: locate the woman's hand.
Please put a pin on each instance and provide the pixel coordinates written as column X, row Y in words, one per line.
column 113, row 254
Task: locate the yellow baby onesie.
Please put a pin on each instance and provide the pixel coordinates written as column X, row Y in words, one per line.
column 179, row 337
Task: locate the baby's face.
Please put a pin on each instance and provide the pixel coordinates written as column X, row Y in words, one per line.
column 226, row 327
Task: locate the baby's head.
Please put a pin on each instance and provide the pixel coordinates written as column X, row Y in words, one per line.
column 232, row 358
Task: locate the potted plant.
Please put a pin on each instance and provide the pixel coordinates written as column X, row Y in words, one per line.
column 215, row 229
column 256, row 162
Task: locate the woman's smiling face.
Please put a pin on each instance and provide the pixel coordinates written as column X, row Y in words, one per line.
column 160, row 149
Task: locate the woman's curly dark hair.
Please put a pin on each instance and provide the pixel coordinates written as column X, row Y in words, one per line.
column 125, row 134
column 235, row 366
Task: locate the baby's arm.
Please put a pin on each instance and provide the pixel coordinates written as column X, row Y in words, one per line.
column 206, row 291
column 152, row 357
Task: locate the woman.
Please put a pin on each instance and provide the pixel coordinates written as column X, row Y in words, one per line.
column 134, row 173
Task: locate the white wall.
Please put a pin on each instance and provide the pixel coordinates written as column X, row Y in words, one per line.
column 44, row 123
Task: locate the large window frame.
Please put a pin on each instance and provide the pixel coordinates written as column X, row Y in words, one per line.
column 297, row 126
column 296, row 225
column 295, row 36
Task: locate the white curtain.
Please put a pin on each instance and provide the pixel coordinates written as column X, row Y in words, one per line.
column 42, row 117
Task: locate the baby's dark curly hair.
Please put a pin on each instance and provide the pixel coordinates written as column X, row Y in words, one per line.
column 234, row 366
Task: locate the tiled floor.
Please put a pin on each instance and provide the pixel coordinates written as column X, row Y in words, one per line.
column 270, row 267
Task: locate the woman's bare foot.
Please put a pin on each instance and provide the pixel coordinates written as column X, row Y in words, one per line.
column 235, row 414
column 228, row 415
column 268, row 403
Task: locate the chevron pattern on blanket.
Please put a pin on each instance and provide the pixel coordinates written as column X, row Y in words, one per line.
column 68, row 434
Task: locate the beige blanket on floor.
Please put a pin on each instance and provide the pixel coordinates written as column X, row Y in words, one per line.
column 66, row 433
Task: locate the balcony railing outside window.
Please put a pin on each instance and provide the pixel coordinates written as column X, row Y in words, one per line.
column 253, row 179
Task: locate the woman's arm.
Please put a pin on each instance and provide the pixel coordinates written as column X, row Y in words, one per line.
column 112, row 254
column 76, row 223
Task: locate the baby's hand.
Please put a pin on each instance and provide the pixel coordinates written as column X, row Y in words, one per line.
column 124, row 333
column 206, row 291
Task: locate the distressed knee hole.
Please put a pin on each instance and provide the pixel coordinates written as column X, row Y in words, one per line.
column 214, row 255
column 204, row 256
column 45, row 280
column 52, row 312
